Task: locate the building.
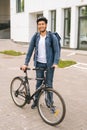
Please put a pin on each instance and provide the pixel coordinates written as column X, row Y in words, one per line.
column 67, row 17
column 4, row 19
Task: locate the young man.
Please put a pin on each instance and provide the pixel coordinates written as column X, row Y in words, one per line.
column 46, row 54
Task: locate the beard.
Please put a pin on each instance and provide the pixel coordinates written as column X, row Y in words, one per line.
column 42, row 31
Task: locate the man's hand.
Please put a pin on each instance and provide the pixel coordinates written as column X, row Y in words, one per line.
column 24, row 67
column 55, row 66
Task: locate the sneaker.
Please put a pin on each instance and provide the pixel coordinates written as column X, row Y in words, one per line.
column 34, row 104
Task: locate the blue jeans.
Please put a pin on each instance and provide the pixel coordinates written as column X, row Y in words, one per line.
column 40, row 74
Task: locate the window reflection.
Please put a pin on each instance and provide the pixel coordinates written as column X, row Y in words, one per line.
column 67, row 24
column 20, row 5
column 83, row 27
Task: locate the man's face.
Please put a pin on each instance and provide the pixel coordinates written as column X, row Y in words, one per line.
column 41, row 26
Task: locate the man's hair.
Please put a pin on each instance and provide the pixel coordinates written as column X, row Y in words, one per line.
column 42, row 18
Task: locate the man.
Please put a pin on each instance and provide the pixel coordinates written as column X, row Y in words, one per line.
column 46, row 55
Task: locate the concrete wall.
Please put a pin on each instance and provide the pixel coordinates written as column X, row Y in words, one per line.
column 33, row 6
column 19, row 24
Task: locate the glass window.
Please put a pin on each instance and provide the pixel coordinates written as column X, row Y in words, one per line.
column 67, row 25
column 83, row 11
column 83, row 28
column 20, row 5
column 67, row 22
column 53, row 20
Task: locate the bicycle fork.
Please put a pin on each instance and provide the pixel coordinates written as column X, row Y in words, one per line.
column 27, row 97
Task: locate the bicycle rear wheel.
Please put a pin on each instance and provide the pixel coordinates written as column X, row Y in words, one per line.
column 18, row 91
column 51, row 106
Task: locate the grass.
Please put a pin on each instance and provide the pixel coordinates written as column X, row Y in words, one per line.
column 12, row 53
column 65, row 63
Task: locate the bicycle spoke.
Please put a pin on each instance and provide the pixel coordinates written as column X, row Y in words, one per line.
column 18, row 92
column 51, row 107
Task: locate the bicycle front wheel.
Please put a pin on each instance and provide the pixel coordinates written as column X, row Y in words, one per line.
column 18, row 91
column 51, row 106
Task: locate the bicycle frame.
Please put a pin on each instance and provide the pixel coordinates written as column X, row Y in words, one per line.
column 26, row 79
column 50, row 104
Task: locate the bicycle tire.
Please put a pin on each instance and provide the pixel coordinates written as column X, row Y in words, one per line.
column 18, row 91
column 51, row 117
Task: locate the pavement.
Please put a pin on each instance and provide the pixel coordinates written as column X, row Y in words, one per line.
column 70, row 82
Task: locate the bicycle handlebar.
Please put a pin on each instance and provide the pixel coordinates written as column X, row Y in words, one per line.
column 38, row 68
column 25, row 69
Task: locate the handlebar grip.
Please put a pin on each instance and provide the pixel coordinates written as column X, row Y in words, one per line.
column 25, row 69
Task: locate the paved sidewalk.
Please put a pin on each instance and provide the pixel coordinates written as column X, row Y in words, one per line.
column 70, row 82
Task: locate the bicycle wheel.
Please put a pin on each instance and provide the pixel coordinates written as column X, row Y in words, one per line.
column 51, row 106
column 18, row 92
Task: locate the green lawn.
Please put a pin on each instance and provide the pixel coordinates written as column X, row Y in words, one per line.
column 65, row 63
column 12, row 53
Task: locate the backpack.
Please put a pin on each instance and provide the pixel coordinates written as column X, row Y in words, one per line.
column 51, row 35
column 58, row 38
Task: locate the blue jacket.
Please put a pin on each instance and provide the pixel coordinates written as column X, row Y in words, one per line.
column 52, row 49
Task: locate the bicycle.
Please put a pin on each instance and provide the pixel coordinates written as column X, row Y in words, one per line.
column 51, row 106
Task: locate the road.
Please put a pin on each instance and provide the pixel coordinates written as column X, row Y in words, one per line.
column 70, row 82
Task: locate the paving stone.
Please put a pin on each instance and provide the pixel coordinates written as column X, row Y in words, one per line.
column 71, row 83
